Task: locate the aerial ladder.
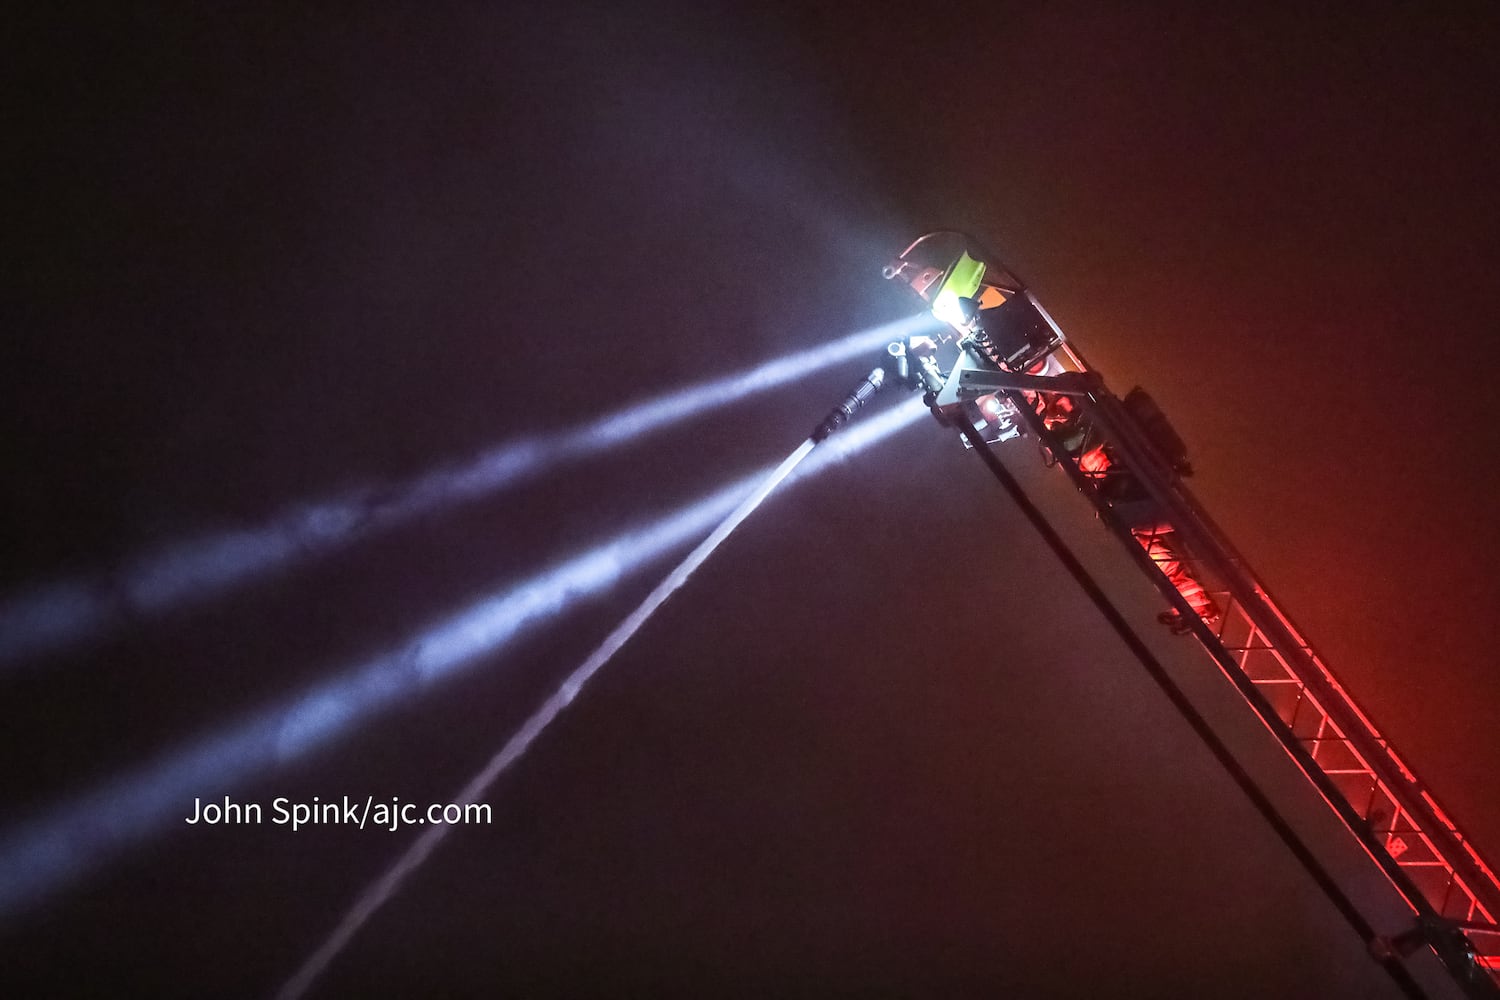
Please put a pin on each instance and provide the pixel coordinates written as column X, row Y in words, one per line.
column 1101, row 478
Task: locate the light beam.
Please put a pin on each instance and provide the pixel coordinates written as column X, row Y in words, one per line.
column 64, row 614
column 80, row 834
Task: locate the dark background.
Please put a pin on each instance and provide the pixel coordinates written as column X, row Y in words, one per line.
column 260, row 258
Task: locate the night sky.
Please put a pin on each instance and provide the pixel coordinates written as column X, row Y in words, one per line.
column 880, row 745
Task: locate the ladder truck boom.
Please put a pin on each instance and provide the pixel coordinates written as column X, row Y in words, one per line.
column 1108, row 494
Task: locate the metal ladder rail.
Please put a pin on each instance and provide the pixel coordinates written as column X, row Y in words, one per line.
column 1315, row 685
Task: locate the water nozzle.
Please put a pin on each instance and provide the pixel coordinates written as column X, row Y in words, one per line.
column 839, row 415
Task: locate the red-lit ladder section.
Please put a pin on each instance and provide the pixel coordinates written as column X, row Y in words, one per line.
column 1453, row 892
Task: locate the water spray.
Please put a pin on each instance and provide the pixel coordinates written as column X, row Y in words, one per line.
column 82, row 833
column 52, row 618
column 386, row 886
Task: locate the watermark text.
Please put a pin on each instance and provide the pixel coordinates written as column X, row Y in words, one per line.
column 366, row 813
